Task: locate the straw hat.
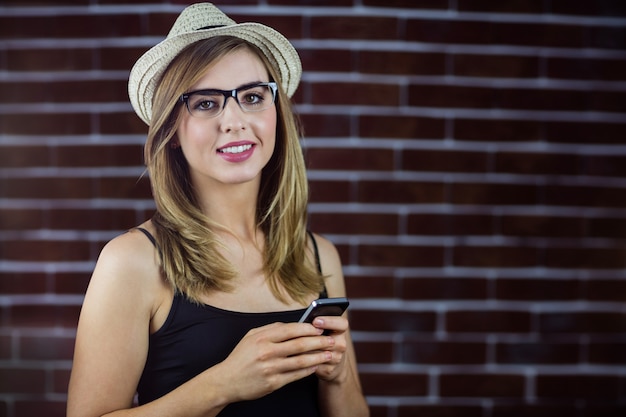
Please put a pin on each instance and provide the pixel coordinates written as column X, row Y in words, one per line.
column 203, row 21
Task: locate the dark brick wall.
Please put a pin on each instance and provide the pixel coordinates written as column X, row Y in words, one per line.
column 467, row 157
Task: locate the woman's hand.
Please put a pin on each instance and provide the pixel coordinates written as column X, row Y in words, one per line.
column 337, row 328
column 272, row 356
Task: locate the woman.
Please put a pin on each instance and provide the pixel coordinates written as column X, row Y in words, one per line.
column 196, row 310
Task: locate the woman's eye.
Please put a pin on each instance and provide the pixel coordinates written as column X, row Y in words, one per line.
column 205, row 105
column 253, row 98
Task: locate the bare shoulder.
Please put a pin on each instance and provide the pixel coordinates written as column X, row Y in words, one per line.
column 128, row 267
column 330, row 261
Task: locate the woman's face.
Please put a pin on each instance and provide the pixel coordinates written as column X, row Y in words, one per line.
column 234, row 146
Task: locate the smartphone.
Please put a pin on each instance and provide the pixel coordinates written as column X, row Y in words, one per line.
column 325, row 307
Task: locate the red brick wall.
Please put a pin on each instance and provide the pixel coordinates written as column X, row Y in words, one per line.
column 468, row 157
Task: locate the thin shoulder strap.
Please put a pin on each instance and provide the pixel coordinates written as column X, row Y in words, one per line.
column 150, row 237
column 317, row 252
column 324, row 293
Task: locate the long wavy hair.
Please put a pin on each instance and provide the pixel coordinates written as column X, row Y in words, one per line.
column 189, row 245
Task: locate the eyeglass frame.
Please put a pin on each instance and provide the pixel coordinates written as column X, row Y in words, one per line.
column 231, row 93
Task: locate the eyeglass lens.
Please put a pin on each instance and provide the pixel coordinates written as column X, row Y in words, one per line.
column 210, row 103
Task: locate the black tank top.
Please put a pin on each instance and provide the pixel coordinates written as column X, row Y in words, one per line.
column 196, row 337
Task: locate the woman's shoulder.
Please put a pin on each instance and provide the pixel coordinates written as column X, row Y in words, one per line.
column 330, row 261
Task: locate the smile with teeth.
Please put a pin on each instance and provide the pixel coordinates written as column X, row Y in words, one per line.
column 235, row 149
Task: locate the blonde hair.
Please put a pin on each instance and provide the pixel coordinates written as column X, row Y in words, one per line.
column 190, row 256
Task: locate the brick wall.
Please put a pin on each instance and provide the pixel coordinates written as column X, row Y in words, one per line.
column 468, row 158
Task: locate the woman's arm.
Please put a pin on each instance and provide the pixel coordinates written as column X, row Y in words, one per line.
column 124, row 295
column 339, row 387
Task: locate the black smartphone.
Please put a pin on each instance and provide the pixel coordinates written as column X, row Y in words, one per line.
column 325, row 307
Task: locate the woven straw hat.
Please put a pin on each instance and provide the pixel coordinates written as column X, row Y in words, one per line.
column 203, row 21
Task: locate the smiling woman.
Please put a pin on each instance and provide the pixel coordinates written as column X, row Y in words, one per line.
column 196, row 309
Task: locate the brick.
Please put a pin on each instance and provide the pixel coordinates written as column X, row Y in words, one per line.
column 400, row 192
column 330, row 191
column 21, row 219
column 396, row 63
column 48, row 408
column 350, row 159
column 406, row 4
column 71, row 283
column 325, row 125
column 70, row 26
column 43, row 316
column 586, row 132
column 99, row 155
column 544, row 352
column 354, row 223
column 607, row 101
column 578, row 386
column 46, row 348
column 542, row 99
column 537, row 163
column 538, row 289
column 483, row 385
column 118, row 58
column 62, row 59
column 534, row 410
column 584, row 196
column 325, row 3
column 327, row 60
column 124, row 187
column 444, row 224
column 493, row 194
column 22, row 282
column 392, row 321
column 349, row 27
column 497, row 130
column 596, row 8
column 605, row 165
column 100, row 91
column 448, row 31
column 586, row 69
column 358, row 94
column 446, row 161
column 18, row 156
column 582, row 322
column 505, row 66
column 442, row 410
column 47, row 187
column 585, row 258
column 100, row 219
column 429, row 95
column 423, row 288
column 370, row 287
column 395, row 384
column 606, row 289
column 400, row 256
column 121, row 123
column 492, row 321
column 606, row 37
column 606, row 227
column 607, row 353
column 44, row 250
column 495, row 256
column 47, row 124
column 22, row 381
column 514, row 6
column 416, row 350
column 6, row 351
column 374, row 352
column 406, row 127
column 549, row 226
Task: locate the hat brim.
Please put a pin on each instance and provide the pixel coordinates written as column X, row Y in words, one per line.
column 147, row 71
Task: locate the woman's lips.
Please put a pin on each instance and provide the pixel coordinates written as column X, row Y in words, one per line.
column 236, row 152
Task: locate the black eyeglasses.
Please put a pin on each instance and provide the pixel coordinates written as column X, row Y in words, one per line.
column 250, row 98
